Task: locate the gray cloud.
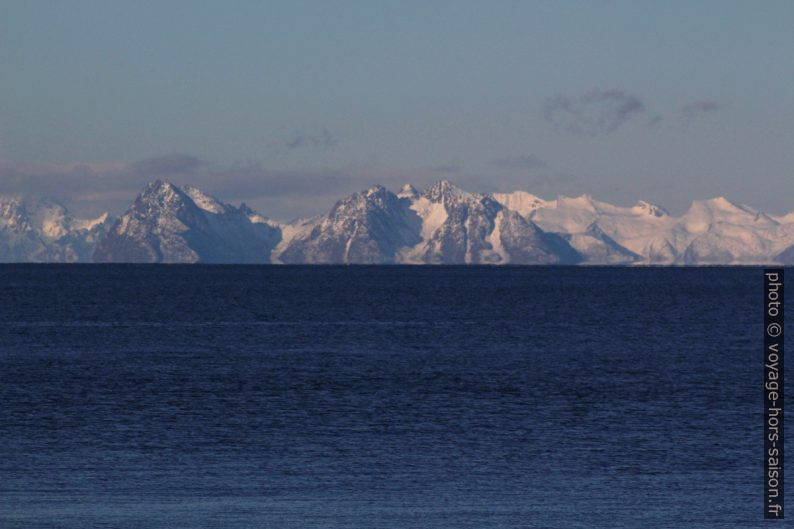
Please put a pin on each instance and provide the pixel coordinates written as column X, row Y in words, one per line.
column 593, row 113
column 526, row 162
column 322, row 139
column 697, row 109
column 172, row 164
column 90, row 189
column 655, row 121
column 448, row 168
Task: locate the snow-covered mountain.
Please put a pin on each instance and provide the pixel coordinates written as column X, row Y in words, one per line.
column 714, row 231
column 366, row 227
column 442, row 225
column 41, row 230
column 439, row 225
column 169, row 224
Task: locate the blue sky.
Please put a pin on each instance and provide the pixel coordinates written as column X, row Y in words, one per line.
column 288, row 105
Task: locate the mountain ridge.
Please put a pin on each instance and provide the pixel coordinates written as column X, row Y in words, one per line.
column 441, row 224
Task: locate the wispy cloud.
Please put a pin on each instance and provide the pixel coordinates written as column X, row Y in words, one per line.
column 594, row 113
column 322, row 139
column 697, row 109
column 445, row 168
column 171, row 164
column 655, row 121
column 524, row 161
column 90, row 189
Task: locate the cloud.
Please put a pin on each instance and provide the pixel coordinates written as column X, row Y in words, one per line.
column 594, row 113
column 252, row 181
column 448, row 168
column 655, row 121
column 697, row 109
column 172, row 164
column 525, row 161
column 90, row 189
column 322, row 139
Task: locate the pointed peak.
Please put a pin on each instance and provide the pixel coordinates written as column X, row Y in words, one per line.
column 443, row 184
column 161, row 193
column 721, row 203
column 444, row 189
column 158, row 185
column 161, row 189
column 408, row 191
column 377, row 189
column 716, row 201
column 253, row 215
column 361, row 199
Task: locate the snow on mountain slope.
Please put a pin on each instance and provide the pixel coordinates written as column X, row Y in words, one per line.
column 442, row 224
column 461, row 227
column 596, row 247
column 41, row 230
column 521, row 202
column 714, row 231
column 204, row 201
column 785, row 219
column 299, row 229
column 590, row 226
column 722, row 232
column 175, row 225
column 366, row 227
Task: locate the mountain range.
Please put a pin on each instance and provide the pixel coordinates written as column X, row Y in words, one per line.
column 439, row 225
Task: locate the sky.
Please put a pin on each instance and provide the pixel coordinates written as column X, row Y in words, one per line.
column 291, row 105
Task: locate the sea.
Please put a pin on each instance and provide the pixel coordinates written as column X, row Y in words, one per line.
column 429, row 397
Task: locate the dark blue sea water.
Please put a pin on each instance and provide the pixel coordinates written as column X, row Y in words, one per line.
column 380, row 397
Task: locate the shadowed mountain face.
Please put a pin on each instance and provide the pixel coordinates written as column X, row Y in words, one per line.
column 440, row 225
column 367, row 227
column 460, row 227
column 443, row 225
column 168, row 224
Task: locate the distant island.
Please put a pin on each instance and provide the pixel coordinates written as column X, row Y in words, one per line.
column 440, row 225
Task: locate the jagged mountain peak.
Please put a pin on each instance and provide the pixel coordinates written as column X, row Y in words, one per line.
column 444, row 190
column 255, row 216
column 408, row 191
column 159, row 187
column 369, row 226
column 361, row 201
column 376, row 189
column 162, row 196
column 167, row 223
